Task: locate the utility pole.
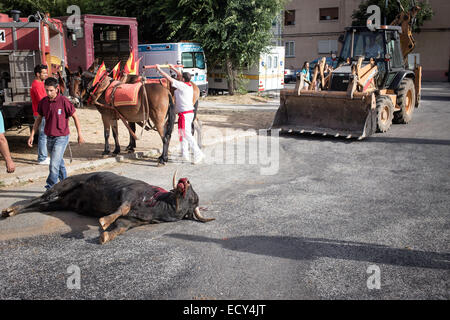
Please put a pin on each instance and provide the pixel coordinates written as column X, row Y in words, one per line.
column 385, row 12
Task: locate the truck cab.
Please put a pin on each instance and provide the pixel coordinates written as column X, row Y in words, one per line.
column 188, row 54
column 24, row 43
column 381, row 45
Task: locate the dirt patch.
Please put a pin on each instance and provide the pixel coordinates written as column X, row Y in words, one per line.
column 248, row 99
column 92, row 130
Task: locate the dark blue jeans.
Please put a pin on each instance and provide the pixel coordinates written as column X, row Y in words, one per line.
column 42, row 142
column 56, row 146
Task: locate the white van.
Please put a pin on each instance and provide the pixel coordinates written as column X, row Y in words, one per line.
column 188, row 54
column 267, row 75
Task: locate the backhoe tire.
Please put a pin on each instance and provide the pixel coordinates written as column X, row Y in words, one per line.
column 385, row 113
column 406, row 100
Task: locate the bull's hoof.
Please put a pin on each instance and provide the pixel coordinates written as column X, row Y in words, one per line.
column 9, row 212
column 106, row 153
column 161, row 164
column 104, row 237
column 103, row 223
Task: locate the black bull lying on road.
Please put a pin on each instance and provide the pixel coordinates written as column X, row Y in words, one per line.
column 121, row 203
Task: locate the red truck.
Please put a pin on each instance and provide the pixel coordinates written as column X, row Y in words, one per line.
column 106, row 38
column 24, row 43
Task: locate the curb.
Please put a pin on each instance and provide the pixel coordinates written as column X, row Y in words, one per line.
column 154, row 152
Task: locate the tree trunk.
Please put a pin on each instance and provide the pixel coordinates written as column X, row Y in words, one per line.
column 230, row 77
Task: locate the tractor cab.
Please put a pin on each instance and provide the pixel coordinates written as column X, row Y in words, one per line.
column 381, row 45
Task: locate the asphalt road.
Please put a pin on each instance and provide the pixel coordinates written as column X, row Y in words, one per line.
column 332, row 218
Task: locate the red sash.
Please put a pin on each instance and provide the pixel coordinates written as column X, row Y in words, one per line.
column 181, row 124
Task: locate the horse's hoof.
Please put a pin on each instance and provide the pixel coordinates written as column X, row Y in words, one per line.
column 161, row 164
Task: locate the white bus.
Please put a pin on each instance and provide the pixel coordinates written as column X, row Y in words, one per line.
column 188, row 54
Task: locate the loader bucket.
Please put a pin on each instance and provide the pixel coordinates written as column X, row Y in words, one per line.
column 327, row 113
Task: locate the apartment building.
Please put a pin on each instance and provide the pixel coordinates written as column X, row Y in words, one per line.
column 311, row 29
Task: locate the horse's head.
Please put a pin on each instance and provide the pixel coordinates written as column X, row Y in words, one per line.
column 89, row 92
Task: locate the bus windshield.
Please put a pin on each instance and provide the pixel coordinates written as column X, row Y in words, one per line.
column 193, row 60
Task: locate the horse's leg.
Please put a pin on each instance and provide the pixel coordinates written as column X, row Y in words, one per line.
column 115, row 131
column 195, row 116
column 165, row 132
column 106, row 131
column 132, row 145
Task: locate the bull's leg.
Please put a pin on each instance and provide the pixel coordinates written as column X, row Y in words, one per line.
column 121, row 226
column 115, row 131
column 39, row 204
column 123, row 210
column 49, row 201
column 28, row 206
column 132, row 145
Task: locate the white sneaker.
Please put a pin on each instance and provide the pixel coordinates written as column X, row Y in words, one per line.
column 46, row 161
column 198, row 159
column 185, row 158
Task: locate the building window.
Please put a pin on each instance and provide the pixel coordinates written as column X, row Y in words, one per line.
column 289, row 47
column 289, row 17
column 328, row 14
column 327, row 46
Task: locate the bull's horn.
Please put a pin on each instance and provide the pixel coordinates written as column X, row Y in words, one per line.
column 174, row 180
column 200, row 217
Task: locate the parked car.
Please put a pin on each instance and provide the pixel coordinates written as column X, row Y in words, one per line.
column 329, row 61
column 289, row 75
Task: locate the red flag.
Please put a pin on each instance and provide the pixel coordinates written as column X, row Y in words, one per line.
column 100, row 72
column 116, row 73
column 136, row 66
column 129, row 66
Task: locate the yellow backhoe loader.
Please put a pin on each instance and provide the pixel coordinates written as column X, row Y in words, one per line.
column 369, row 89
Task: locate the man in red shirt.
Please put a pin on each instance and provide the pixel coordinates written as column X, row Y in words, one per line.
column 37, row 93
column 56, row 109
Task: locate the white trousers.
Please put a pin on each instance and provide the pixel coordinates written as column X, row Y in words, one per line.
column 188, row 139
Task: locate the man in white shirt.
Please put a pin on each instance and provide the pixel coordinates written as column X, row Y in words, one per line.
column 184, row 96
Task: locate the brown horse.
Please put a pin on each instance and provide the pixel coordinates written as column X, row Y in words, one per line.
column 158, row 108
column 196, row 124
column 74, row 84
column 154, row 103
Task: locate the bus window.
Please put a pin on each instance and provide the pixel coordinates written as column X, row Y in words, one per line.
column 187, row 60
column 200, row 60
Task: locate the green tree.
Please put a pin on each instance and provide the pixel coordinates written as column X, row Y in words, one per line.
column 56, row 8
column 360, row 15
column 232, row 32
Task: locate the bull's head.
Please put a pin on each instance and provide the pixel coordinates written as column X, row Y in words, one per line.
column 187, row 200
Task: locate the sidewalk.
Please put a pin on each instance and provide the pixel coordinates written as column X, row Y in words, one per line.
column 220, row 122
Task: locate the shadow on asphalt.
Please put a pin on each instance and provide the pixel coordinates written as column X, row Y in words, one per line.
column 299, row 248
column 434, row 98
column 76, row 222
column 383, row 139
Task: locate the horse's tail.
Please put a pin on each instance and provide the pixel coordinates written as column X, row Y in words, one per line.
column 170, row 115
